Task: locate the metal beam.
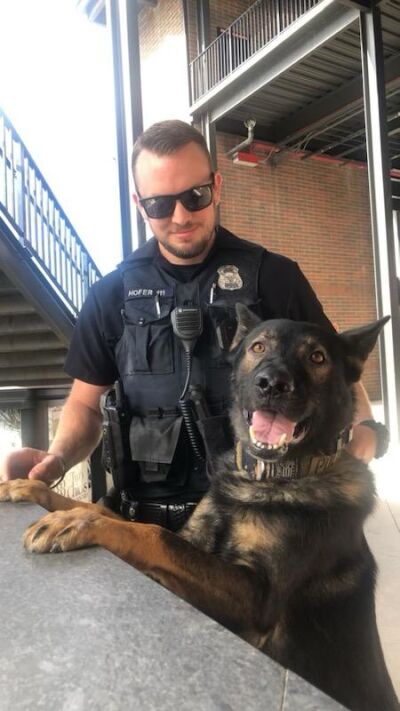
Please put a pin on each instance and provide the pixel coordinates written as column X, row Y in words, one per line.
column 381, row 212
column 134, row 98
column 360, row 4
column 209, row 132
column 35, row 426
column 349, row 93
column 208, row 128
column 32, row 376
column 123, row 22
column 299, row 40
column 203, row 25
column 23, row 398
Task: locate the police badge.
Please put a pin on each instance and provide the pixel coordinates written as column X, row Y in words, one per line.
column 229, row 278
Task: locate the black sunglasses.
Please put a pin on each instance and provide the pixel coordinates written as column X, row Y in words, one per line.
column 194, row 199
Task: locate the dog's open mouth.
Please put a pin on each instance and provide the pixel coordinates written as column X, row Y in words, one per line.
column 271, row 433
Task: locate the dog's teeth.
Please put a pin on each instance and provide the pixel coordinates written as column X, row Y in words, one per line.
column 263, row 445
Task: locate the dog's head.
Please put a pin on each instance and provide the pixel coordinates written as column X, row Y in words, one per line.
column 292, row 383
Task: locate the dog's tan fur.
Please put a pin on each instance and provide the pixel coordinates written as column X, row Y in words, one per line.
column 284, row 564
column 222, row 591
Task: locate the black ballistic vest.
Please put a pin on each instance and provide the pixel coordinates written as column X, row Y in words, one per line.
column 151, row 359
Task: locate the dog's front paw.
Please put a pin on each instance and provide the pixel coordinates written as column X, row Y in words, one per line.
column 61, row 531
column 24, row 490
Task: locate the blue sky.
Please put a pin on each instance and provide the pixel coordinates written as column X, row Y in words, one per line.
column 56, row 88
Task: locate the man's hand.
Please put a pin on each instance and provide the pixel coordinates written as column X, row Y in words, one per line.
column 363, row 444
column 78, row 433
column 29, row 463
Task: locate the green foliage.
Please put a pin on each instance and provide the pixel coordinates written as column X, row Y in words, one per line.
column 10, row 420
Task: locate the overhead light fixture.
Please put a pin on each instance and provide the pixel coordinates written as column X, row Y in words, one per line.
column 243, row 158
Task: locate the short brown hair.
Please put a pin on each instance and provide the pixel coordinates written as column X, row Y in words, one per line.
column 165, row 138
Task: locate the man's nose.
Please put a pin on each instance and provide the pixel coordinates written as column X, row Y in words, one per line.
column 274, row 382
column 180, row 214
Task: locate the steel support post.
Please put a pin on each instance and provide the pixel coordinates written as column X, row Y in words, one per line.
column 35, row 426
column 203, row 40
column 381, row 212
column 209, row 133
column 122, row 18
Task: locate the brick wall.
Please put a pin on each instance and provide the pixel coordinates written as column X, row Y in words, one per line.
column 317, row 214
column 222, row 14
column 163, row 56
column 191, row 27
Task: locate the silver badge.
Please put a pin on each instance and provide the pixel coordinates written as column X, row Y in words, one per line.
column 229, row 278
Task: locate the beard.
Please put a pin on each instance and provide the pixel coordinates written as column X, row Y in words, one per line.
column 188, row 251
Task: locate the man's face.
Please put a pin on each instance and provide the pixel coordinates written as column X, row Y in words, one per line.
column 185, row 237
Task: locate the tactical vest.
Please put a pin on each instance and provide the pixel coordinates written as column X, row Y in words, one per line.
column 151, row 360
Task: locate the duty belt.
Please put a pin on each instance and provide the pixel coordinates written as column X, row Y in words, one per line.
column 171, row 516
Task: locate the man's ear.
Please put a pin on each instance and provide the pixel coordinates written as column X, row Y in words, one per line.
column 358, row 344
column 217, row 188
column 247, row 320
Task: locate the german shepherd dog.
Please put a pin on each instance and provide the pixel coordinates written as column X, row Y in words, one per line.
column 275, row 551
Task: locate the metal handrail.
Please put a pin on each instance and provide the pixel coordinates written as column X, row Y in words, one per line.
column 40, row 224
column 258, row 25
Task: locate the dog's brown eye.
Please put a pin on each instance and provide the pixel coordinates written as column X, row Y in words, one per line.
column 317, row 357
column 258, row 347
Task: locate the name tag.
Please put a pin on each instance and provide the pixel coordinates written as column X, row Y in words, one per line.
column 141, row 293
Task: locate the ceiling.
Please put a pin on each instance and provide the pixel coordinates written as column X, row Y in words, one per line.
column 317, row 105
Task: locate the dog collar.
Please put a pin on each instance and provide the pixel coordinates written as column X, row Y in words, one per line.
column 261, row 470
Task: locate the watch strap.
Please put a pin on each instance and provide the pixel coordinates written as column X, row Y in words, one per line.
column 382, row 436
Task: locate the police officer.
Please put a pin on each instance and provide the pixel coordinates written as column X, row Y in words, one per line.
column 163, row 322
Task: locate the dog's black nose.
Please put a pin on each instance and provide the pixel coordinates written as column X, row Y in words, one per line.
column 274, row 383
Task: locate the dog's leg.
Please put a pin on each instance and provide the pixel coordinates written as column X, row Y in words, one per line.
column 39, row 493
column 228, row 593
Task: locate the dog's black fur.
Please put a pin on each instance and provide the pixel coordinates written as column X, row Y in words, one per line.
column 303, row 537
column 281, row 561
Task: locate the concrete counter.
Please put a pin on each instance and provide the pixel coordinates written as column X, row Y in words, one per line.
column 83, row 630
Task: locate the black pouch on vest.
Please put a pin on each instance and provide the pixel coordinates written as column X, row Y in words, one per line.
column 147, row 336
column 158, row 448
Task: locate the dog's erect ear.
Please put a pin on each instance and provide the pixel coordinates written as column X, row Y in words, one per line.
column 247, row 320
column 358, row 343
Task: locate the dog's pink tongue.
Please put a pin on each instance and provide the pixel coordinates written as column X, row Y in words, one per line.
column 268, row 427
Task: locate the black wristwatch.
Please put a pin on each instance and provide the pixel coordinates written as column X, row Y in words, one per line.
column 382, row 436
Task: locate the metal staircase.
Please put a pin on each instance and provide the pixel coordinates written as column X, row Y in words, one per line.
column 45, row 271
